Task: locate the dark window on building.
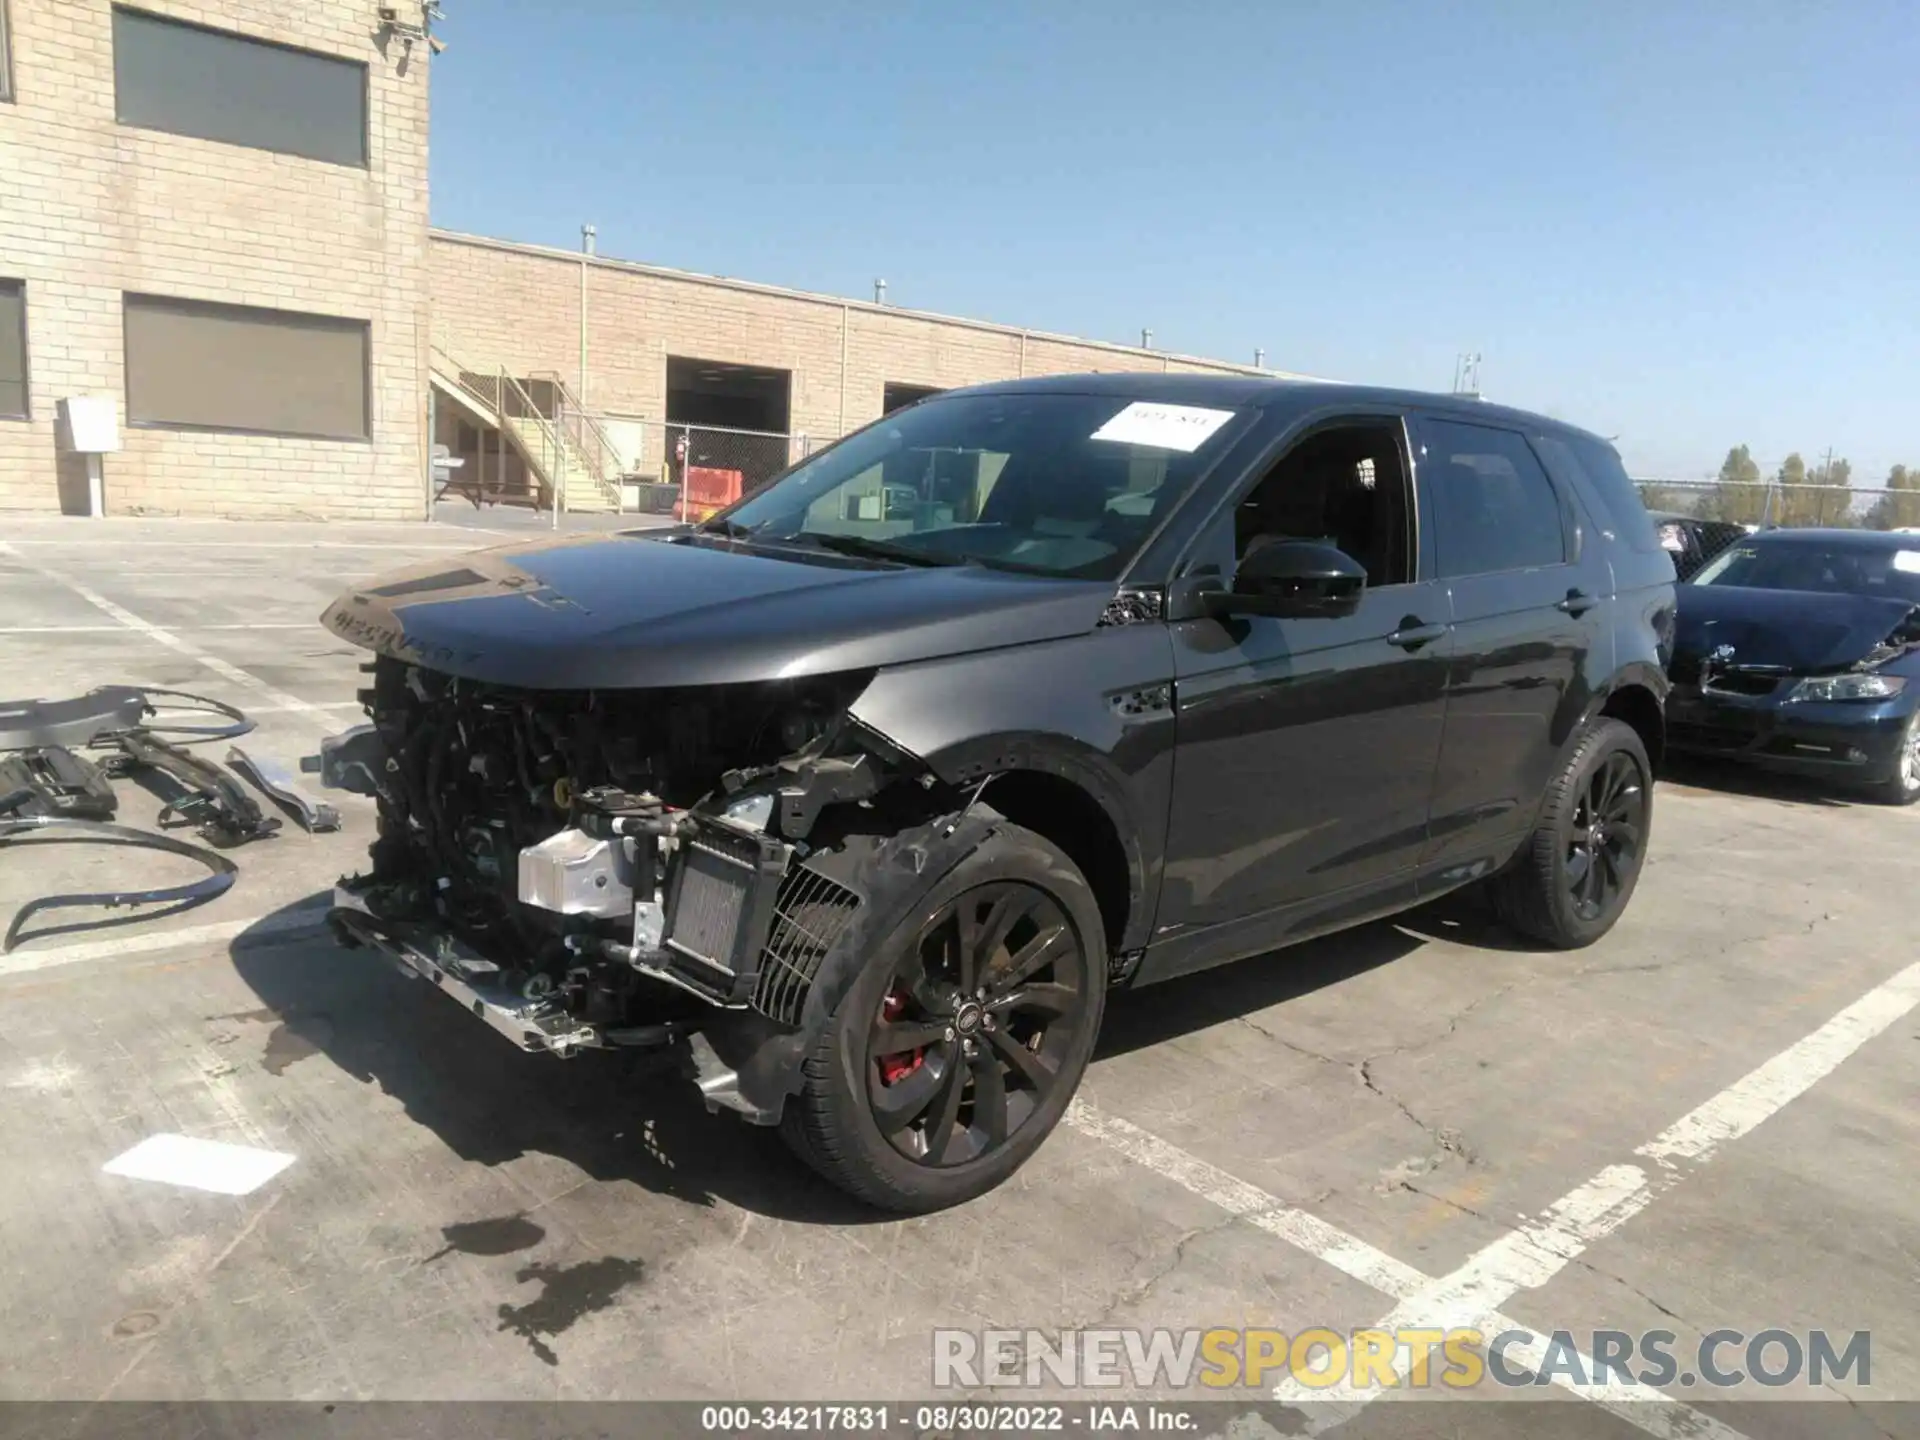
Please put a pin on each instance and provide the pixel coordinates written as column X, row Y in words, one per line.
column 13, row 349
column 898, row 397
column 6, row 57
column 734, row 397
column 189, row 80
column 728, row 418
column 227, row 367
column 1612, row 490
column 1494, row 507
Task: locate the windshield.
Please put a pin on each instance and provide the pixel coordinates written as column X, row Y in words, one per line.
column 1826, row 569
column 1054, row 484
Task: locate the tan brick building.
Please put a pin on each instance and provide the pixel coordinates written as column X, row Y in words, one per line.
column 650, row 351
column 216, row 215
column 152, row 157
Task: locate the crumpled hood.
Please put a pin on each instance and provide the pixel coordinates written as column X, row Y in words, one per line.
column 1802, row 632
column 627, row 611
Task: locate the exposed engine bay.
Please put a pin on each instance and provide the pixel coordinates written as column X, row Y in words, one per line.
column 577, row 866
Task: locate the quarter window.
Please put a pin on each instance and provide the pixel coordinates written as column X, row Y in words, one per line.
column 189, row 80
column 1494, row 508
column 1611, row 488
column 13, row 350
column 227, row 367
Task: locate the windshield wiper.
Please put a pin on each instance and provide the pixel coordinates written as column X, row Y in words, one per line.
column 731, row 528
column 872, row 548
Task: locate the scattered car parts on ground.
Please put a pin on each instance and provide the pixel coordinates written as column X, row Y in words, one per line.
column 211, row 800
column 277, row 780
column 53, row 829
column 872, row 785
column 52, row 780
column 109, row 710
column 113, row 710
column 48, row 789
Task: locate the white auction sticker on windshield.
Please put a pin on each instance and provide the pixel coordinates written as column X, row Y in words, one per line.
column 1907, row 561
column 1165, row 427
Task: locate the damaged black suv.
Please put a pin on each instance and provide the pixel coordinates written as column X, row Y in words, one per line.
column 867, row 790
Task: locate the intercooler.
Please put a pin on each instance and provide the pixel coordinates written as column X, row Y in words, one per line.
column 744, row 925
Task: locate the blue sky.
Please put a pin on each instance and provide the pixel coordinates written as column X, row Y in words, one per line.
column 1691, row 225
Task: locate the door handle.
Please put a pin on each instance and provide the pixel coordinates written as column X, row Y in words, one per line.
column 1578, row 602
column 1412, row 634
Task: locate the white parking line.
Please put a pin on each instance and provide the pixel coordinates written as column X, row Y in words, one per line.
column 223, row 668
column 1346, row 1253
column 1525, row 1259
column 1645, row 1409
column 272, row 544
column 189, row 629
column 285, row 924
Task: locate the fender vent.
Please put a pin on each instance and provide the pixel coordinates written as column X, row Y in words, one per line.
column 810, row 914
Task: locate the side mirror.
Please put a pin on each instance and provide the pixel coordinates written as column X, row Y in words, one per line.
column 1294, row 580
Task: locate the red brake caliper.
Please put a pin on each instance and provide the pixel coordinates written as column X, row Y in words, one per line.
column 893, row 1067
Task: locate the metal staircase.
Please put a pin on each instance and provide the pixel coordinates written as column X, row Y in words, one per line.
column 566, row 452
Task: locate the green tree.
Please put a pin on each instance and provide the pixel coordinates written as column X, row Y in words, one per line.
column 1679, row 499
column 1789, row 500
column 1827, row 496
column 1899, row 504
column 1737, row 493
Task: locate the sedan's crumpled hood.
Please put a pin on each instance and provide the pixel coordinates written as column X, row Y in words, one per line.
column 623, row 611
column 1802, row 632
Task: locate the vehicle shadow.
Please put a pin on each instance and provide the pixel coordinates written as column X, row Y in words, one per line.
column 1729, row 777
column 1136, row 1019
column 631, row 1116
column 620, row 1116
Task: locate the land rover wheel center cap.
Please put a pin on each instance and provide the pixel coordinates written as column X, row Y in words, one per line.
column 966, row 1020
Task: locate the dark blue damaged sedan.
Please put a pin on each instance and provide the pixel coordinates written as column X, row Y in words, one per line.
column 1799, row 650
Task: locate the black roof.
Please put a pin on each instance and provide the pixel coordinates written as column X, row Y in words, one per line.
column 1228, row 391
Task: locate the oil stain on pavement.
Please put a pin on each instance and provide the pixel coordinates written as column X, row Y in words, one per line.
column 294, row 1037
column 571, row 1292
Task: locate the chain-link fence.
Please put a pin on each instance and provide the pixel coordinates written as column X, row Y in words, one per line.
column 670, row 468
column 1764, row 503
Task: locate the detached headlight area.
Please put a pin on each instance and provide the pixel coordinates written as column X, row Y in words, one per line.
column 1856, row 686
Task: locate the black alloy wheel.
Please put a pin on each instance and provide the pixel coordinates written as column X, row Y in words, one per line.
column 1571, row 879
column 1607, row 834
column 978, row 1023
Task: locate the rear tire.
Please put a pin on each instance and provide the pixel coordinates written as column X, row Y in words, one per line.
column 963, row 1038
column 1574, row 875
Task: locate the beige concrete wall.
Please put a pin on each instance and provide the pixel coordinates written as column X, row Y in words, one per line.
column 90, row 208
column 498, row 304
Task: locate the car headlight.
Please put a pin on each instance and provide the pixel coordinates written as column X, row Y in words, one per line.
column 1859, row 686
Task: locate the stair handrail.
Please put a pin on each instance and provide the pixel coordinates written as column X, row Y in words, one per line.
column 583, row 433
column 556, row 465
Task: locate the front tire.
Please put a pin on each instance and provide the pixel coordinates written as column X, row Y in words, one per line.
column 1574, row 875
column 959, row 1045
column 1902, row 787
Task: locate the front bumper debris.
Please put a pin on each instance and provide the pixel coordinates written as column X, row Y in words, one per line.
column 471, row 980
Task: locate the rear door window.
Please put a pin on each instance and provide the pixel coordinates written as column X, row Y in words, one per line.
column 1494, row 507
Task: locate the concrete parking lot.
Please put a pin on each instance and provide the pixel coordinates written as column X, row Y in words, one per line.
column 1705, row 1122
